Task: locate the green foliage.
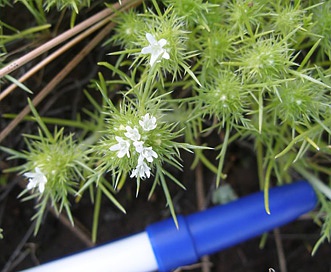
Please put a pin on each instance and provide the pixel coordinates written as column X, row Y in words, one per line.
column 62, row 163
column 4, row 3
column 322, row 27
column 17, row 34
column 223, row 97
column 75, row 5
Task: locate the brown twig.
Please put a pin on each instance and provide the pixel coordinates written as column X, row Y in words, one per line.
column 78, row 229
column 62, row 38
column 53, row 56
column 200, row 192
column 190, row 267
column 280, row 251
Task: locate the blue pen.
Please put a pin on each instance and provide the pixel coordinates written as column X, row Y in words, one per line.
column 163, row 247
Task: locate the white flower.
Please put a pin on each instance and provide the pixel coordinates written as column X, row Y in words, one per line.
column 37, row 179
column 142, row 170
column 122, row 147
column 139, row 145
column 144, row 152
column 132, row 133
column 148, row 122
column 147, row 153
column 155, row 48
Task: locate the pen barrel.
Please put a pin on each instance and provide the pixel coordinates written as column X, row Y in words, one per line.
column 223, row 226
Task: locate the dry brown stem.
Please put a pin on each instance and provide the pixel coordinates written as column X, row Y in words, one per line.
column 63, row 37
column 200, row 191
column 53, row 56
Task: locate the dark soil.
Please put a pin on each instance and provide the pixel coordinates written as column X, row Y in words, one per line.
column 20, row 249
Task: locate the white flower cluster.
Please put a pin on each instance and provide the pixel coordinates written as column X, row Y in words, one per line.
column 132, row 136
column 36, row 179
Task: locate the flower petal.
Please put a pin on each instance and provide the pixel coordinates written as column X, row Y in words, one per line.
column 162, row 42
column 150, row 38
column 41, row 187
column 147, row 50
column 115, row 147
column 166, row 55
column 153, row 59
column 31, row 184
column 29, row 175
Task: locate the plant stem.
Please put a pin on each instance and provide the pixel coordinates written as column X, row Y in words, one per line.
column 96, row 214
column 220, row 174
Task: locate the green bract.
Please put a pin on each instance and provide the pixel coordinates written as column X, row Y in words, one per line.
column 62, row 165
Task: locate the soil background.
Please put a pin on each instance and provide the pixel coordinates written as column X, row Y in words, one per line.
column 20, row 249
